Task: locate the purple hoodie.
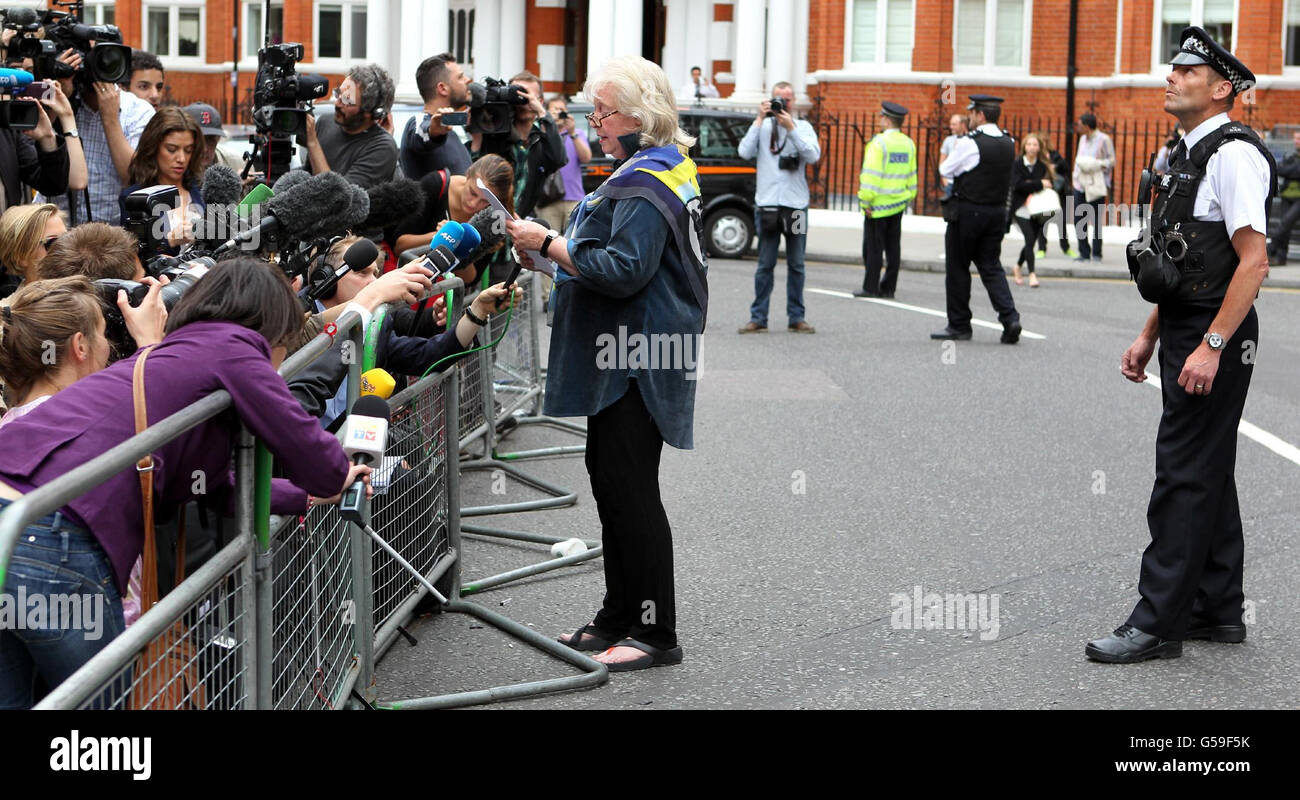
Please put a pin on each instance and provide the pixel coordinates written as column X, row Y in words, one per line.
column 96, row 413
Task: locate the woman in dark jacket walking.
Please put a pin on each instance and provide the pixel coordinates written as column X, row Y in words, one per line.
column 1030, row 173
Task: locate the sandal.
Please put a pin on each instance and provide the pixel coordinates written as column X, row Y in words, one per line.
column 598, row 643
column 652, row 657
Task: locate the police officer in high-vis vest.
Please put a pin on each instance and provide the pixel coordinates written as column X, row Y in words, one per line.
column 980, row 168
column 887, row 185
column 1201, row 261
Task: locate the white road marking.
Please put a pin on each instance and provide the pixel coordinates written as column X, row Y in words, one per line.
column 1252, row 431
column 920, row 310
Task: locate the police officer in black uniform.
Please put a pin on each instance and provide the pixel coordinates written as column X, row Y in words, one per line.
column 1201, row 260
column 980, row 163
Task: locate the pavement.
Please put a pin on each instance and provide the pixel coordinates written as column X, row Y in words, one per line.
column 836, row 237
column 839, row 475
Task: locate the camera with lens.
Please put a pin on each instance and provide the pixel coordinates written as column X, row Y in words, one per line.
column 281, row 97
column 789, row 163
column 145, row 209
column 181, row 277
column 778, row 105
column 104, row 57
column 20, row 115
column 491, row 105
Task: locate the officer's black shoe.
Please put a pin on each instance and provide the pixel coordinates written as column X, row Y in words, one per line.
column 1128, row 645
column 1229, row 634
column 887, row 295
column 1011, row 333
column 865, row 293
column 949, row 333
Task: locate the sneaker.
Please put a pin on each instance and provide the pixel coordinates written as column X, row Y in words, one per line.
column 753, row 327
column 1040, row 253
column 1096, row 257
column 1070, row 252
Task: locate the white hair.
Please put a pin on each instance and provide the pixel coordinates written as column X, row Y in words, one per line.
column 641, row 91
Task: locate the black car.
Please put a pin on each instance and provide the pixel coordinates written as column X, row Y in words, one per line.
column 727, row 181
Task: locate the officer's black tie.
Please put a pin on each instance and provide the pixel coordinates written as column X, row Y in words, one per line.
column 1179, row 155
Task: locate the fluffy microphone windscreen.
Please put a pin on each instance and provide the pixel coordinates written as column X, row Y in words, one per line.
column 359, row 208
column 491, row 230
column 316, row 207
column 392, row 202
column 289, row 179
column 221, row 186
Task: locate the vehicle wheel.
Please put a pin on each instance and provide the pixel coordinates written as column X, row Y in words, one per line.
column 728, row 232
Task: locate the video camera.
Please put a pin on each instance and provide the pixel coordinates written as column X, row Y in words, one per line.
column 19, row 116
column 490, row 104
column 182, row 276
column 281, row 101
column 104, row 57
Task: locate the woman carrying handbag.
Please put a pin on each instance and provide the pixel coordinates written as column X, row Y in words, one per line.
column 1031, row 202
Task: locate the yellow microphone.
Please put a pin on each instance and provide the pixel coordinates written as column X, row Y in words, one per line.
column 377, row 382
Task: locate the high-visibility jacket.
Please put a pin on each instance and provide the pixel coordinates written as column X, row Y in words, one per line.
column 888, row 179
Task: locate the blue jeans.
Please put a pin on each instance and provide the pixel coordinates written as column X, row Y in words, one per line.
column 54, row 558
column 768, row 244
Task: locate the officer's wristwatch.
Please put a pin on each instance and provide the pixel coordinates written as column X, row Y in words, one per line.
column 1214, row 340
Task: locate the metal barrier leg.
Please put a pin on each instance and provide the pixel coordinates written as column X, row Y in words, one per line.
column 594, row 550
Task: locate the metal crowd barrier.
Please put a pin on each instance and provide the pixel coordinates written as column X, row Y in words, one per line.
column 514, row 398
column 292, row 615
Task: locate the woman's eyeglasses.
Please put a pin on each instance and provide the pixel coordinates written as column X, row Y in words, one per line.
column 598, row 121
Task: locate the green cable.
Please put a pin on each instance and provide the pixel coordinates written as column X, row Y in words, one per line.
column 509, row 313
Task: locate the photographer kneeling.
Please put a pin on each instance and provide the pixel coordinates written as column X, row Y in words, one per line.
column 227, row 332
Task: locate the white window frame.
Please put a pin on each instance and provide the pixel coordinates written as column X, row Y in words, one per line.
column 171, row 60
column 95, row 12
column 1161, row 67
column 346, row 56
column 245, row 29
column 882, row 24
column 990, row 41
column 1287, row 5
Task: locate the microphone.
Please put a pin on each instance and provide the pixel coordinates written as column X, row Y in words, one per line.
column 221, row 190
column 15, row 78
column 221, row 186
column 289, row 179
column 377, row 383
column 358, row 256
column 256, row 196
column 491, row 231
column 307, row 210
column 470, row 241
column 365, row 436
column 20, row 17
column 442, row 250
column 358, row 209
column 392, row 202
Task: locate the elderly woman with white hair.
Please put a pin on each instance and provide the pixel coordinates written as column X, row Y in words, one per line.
column 629, row 304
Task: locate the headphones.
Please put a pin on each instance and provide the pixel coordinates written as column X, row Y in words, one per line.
column 378, row 114
column 322, row 271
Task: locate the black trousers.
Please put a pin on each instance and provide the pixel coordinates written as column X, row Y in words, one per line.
column 1192, row 568
column 1280, row 243
column 881, row 235
column 623, row 449
column 976, row 236
column 1086, row 212
column 1031, row 230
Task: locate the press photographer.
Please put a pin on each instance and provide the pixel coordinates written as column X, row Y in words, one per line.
column 355, row 142
column 428, row 145
column 31, row 152
column 227, row 333
column 89, row 62
column 509, row 120
column 169, row 154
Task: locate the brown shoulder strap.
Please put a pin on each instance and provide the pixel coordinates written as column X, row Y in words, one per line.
column 144, row 467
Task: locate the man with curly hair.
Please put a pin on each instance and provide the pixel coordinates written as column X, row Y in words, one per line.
column 356, row 142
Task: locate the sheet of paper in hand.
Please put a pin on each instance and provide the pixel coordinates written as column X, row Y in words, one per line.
column 541, row 263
